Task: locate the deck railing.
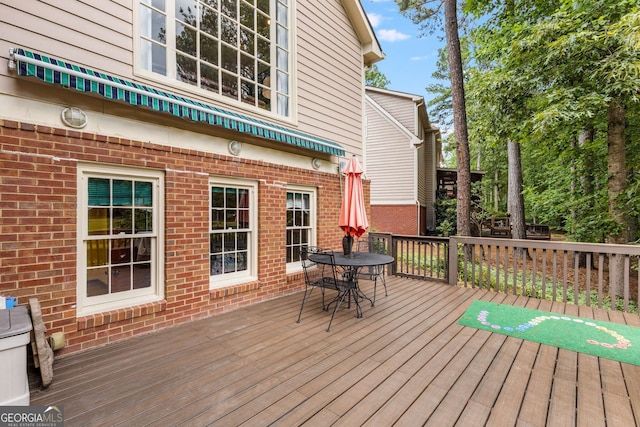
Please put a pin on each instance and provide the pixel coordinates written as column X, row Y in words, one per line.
column 420, row 257
column 573, row 273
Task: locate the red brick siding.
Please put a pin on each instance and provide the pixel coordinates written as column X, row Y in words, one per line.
column 395, row 219
column 38, row 251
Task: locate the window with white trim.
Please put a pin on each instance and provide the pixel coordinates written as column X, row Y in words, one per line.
column 301, row 220
column 119, row 223
column 238, row 49
column 232, row 232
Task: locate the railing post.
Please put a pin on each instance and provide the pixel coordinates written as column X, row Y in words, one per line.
column 453, row 261
column 394, row 251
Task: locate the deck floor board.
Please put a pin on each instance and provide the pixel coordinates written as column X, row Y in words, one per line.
column 406, row 362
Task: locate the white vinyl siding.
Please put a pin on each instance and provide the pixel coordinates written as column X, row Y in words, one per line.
column 422, row 175
column 326, row 56
column 330, row 74
column 430, row 177
column 96, row 35
column 390, row 161
column 401, row 150
column 402, row 108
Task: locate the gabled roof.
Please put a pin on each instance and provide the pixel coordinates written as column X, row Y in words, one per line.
column 413, row 139
column 423, row 117
column 371, row 50
column 416, row 99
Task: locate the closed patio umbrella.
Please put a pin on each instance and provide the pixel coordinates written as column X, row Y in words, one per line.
column 353, row 215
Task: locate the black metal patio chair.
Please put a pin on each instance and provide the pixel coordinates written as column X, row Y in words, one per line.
column 375, row 272
column 323, row 274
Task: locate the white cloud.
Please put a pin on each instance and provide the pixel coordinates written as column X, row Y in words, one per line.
column 392, row 35
column 419, row 58
column 375, row 19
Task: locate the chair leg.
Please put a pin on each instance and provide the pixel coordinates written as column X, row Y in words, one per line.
column 384, row 283
column 375, row 286
column 304, row 299
column 339, row 300
column 358, row 308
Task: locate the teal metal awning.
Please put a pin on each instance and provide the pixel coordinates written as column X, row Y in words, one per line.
column 54, row 71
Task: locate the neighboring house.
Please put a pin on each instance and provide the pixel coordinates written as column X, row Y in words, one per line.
column 401, row 157
column 164, row 162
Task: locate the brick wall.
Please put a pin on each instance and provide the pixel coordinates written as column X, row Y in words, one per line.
column 395, row 219
column 38, row 180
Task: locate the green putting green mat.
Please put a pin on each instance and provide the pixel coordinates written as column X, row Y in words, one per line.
column 602, row 339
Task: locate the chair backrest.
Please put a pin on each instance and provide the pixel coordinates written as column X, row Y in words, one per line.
column 325, row 273
column 305, row 251
column 369, row 244
column 364, row 245
column 313, row 272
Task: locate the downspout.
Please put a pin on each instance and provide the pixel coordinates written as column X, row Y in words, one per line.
column 417, row 195
column 418, row 105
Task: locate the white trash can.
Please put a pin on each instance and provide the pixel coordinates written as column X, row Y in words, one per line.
column 15, row 328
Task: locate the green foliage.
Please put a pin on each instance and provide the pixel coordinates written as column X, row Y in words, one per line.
column 582, row 300
column 424, row 13
column 487, row 278
column 445, row 211
column 375, row 78
column 543, row 73
column 540, row 73
column 379, row 247
column 436, row 265
column 446, row 228
column 441, row 104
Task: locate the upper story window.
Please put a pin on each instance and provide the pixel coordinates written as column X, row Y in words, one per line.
column 238, row 49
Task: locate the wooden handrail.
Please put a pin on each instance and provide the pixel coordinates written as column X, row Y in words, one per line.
column 539, row 268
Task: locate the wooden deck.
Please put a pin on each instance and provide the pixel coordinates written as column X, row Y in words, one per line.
column 406, row 363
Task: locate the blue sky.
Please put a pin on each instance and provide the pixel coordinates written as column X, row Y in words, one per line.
column 410, row 59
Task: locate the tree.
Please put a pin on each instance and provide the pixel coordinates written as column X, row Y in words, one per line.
column 580, row 63
column 440, row 106
column 601, row 75
column 423, row 12
column 375, row 78
column 515, row 199
column 459, row 118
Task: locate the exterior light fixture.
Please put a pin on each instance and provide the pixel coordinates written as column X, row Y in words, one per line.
column 74, row 117
column 234, row 147
column 342, row 166
column 316, row 163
